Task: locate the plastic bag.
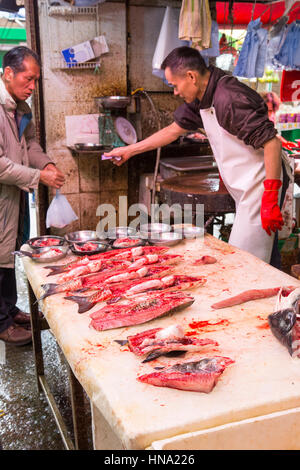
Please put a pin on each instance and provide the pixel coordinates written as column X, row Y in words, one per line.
column 59, row 213
column 167, row 41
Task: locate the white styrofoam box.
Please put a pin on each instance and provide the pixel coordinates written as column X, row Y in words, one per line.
column 275, row 431
column 79, row 53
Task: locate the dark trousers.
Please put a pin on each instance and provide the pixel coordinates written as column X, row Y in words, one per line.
column 8, row 297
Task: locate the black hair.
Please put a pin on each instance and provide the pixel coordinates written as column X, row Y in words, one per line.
column 184, row 58
column 15, row 58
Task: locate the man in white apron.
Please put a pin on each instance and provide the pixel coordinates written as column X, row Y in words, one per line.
column 243, row 139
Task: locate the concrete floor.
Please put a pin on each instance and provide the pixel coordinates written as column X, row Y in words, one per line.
column 26, row 421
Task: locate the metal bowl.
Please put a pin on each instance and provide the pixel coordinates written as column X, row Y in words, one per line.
column 147, row 230
column 138, row 242
column 117, row 232
column 188, row 231
column 165, row 238
column 81, row 236
column 101, row 247
column 89, row 147
column 37, row 242
column 112, row 102
column 40, row 255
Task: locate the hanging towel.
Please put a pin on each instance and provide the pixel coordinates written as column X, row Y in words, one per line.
column 289, row 53
column 195, row 23
column 167, row 41
column 251, row 62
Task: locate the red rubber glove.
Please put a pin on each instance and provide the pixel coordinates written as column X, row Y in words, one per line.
column 271, row 217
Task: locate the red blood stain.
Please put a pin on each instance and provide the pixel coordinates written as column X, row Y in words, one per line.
column 205, row 323
column 263, row 326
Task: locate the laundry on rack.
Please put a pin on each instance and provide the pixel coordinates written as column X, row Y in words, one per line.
column 289, row 52
column 251, row 62
column 276, row 38
column 214, row 50
column 195, row 23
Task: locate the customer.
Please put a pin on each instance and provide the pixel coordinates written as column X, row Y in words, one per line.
column 23, row 165
column 244, row 143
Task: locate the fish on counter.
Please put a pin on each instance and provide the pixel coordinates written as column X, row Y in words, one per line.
column 252, row 294
column 141, row 310
column 46, row 242
column 131, row 288
column 88, row 246
column 163, row 341
column 285, row 321
column 98, row 280
column 195, row 376
column 114, row 256
column 126, row 242
column 206, row 259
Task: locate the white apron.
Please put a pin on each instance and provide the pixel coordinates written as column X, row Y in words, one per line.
column 243, row 172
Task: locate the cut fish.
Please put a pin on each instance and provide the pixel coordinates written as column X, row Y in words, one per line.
column 196, row 376
column 252, row 294
column 141, row 310
column 160, row 341
column 285, row 322
column 97, row 280
column 132, row 288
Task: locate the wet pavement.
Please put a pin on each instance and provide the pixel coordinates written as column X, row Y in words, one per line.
column 26, row 421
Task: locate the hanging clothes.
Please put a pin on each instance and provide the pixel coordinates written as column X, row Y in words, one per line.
column 289, row 53
column 276, row 38
column 214, row 50
column 195, row 23
column 251, row 62
column 167, row 41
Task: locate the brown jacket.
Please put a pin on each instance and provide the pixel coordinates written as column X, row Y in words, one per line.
column 240, row 110
column 21, row 159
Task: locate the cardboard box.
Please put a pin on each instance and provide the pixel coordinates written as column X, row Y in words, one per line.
column 79, row 53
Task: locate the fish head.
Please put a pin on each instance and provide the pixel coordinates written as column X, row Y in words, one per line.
column 282, row 321
column 291, row 300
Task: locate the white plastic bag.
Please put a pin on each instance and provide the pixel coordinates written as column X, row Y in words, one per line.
column 59, row 213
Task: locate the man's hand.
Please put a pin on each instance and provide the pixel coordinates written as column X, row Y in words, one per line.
column 271, row 217
column 120, row 155
column 52, row 176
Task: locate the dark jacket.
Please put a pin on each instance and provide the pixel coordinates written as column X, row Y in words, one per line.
column 239, row 110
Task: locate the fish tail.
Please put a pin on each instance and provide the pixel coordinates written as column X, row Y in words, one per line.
column 84, row 304
column 55, row 270
column 49, row 289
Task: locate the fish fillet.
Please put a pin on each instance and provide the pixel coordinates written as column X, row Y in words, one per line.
column 197, row 376
column 144, row 309
column 246, row 296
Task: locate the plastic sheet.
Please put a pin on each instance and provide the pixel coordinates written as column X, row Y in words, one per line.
column 167, row 41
